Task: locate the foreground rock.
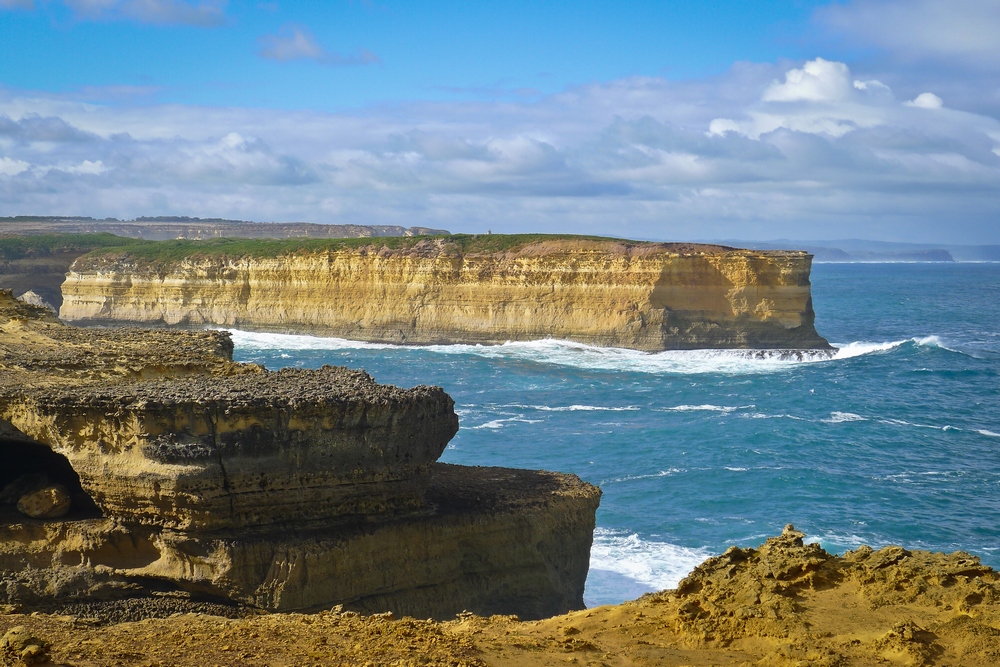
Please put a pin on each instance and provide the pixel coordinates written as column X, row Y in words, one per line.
column 170, row 468
column 785, row 604
column 645, row 296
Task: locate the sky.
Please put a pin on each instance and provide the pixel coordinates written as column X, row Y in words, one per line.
column 793, row 119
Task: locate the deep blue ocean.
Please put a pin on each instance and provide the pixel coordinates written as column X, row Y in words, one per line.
column 896, row 440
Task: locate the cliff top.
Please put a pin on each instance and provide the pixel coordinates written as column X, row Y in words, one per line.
column 784, row 604
column 57, row 364
column 454, row 245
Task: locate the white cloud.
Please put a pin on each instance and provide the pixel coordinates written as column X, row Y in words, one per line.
column 17, row 4
column 819, row 98
column 87, row 167
column 818, row 81
column 11, row 167
column 926, row 101
column 753, row 153
column 205, row 13
column 297, row 43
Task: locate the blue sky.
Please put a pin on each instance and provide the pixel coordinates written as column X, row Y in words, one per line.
column 675, row 120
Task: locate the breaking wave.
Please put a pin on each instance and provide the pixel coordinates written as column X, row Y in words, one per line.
column 578, row 355
column 624, row 566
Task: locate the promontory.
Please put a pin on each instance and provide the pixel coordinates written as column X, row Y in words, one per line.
column 485, row 289
column 147, row 465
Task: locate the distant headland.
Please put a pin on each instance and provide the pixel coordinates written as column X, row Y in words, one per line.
column 459, row 288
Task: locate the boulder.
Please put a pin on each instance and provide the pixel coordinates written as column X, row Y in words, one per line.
column 50, row 502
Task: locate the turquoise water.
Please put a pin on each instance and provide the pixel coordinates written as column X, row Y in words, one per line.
column 895, row 440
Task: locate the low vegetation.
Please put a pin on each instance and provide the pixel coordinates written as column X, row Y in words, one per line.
column 164, row 252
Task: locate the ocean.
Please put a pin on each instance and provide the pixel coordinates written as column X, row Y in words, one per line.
column 894, row 440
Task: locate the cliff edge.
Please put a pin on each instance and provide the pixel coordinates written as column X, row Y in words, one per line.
column 141, row 462
column 461, row 289
column 783, row 604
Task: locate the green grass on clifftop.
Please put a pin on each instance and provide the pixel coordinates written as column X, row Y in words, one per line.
column 165, row 252
column 45, row 245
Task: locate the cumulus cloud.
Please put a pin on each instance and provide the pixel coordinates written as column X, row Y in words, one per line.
column 11, row 167
column 297, row 43
column 819, row 98
column 204, row 13
column 807, row 151
column 926, row 101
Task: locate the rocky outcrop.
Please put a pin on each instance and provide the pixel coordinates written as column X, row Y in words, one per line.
column 137, row 461
column 645, row 296
column 783, row 604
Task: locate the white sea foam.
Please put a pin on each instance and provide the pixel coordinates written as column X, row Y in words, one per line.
column 649, row 564
column 737, row 469
column 254, row 340
column 573, row 408
column 567, row 353
column 842, row 417
column 629, row 478
column 705, row 408
column 991, row 434
column 500, row 423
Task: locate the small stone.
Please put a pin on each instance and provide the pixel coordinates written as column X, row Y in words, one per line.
column 33, row 653
column 50, row 502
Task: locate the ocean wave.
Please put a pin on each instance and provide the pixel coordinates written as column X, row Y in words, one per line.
column 255, row 340
column 842, row 417
column 579, row 355
column 500, row 423
column 572, row 408
column 705, row 408
column 656, row 565
column 629, row 478
column 568, row 353
column 990, row 434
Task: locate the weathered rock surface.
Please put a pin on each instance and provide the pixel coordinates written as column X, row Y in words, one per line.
column 784, row 604
column 646, row 296
column 49, row 502
column 280, row 490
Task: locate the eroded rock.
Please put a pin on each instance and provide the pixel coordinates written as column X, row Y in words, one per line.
column 49, row 502
column 281, row 490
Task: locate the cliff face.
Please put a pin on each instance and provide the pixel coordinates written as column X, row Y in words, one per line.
column 168, row 466
column 634, row 295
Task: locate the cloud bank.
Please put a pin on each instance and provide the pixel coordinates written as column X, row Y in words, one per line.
column 804, row 151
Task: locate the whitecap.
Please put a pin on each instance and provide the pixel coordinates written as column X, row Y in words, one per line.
column 842, row 417
column 764, row 415
column 737, row 469
column 572, row 408
column 648, row 565
column 990, row 434
column 704, row 408
column 629, row 478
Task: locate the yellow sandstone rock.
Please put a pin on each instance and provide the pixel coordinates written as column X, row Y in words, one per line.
column 645, row 296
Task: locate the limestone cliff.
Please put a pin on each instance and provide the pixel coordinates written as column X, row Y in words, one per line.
column 298, row 489
column 646, row 296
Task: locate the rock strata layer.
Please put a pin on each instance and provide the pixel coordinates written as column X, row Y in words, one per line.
column 144, row 460
column 645, row 296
